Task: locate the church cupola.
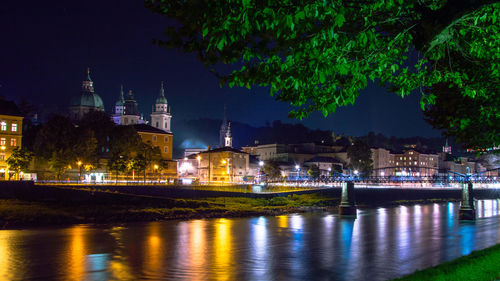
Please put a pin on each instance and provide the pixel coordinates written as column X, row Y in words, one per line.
column 161, row 102
column 87, row 84
column 160, row 117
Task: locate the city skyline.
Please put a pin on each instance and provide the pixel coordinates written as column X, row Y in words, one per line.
column 51, row 73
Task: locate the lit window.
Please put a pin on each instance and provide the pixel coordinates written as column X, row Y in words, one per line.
column 165, row 149
column 12, row 142
column 2, row 141
column 4, row 126
column 154, row 138
column 14, row 127
column 2, row 156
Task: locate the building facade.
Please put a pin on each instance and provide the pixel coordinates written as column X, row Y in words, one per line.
column 383, row 162
column 413, row 163
column 223, row 165
column 161, row 139
column 11, row 133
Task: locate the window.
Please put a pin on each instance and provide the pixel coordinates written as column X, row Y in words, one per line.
column 2, row 156
column 154, row 138
column 165, row 149
column 12, row 142
column 4, row 126
column 166, row 139
column 14, row 127
column 157, row 124
column 2, row 141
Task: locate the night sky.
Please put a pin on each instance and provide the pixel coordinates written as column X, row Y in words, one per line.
column 47, row 46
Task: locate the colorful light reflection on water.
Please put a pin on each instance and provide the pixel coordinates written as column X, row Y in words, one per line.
column 380, row 244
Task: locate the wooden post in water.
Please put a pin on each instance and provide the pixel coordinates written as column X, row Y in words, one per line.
column 467, row 210
column 347, row 205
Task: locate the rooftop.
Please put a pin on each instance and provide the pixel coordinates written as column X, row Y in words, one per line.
column 144, row 128
column 9, row 108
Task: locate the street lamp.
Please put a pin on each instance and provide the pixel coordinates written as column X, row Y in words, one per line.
column 156, row 171
column 79, row 163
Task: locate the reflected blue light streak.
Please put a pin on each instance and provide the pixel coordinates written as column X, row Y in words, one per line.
column 97, row 265
column 467, row 240
column 346, row 230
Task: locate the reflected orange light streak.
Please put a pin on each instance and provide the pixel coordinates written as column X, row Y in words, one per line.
column 76, row 253
column 223, row 250
column 5, row 256
column 153, row 258
column 282, row 221
column 197, row 248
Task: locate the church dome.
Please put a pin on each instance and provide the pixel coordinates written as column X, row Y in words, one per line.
column 88, row 99
column 161, row 100
column 87, row 96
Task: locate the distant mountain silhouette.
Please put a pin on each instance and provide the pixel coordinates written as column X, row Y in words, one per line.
column 204, row 132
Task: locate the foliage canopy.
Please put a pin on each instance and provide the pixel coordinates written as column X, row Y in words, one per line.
column 318, row 54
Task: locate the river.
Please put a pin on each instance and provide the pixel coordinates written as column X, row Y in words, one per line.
column 380, row 244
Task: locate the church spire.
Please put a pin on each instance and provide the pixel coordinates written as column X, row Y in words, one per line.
column 224, row 121
column 122, row 98
column 161, row 98
column 88, row 74
column 228, row 140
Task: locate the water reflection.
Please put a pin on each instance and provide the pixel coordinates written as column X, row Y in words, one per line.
column 223, row 252
column 381, row 244
column 76, row 252
column 197, row 249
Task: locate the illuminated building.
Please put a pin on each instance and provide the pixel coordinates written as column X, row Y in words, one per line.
column 11, row 132
column 160, row 118
column 161, row 139
column 413, row 163
column 86, row 101
column 225, row 164
column 383, row 162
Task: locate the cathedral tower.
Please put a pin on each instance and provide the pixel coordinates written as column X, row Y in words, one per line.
column 160, row 118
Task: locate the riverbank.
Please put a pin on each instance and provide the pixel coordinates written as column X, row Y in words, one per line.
column 15, row 213
column 23, row 204
column 479, row 265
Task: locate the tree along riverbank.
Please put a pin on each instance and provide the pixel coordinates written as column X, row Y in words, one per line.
column 479, row 265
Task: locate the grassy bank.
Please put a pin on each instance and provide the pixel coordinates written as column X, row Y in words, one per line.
column 479, row 265
column 16, row 213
